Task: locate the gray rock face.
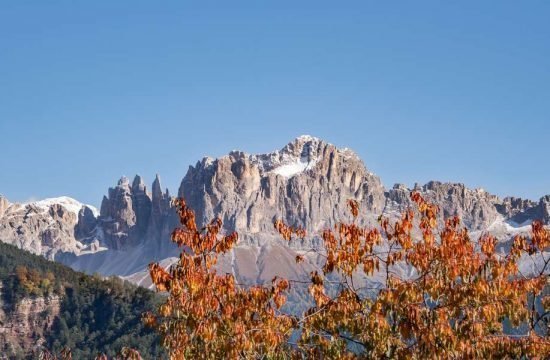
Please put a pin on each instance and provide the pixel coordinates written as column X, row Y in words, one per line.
column 518, row 210
column 24, row 328
column 141, row 205
column 163, row 219
column 134, row 227
column 307, row 183
column 130, row 215
column 544, row 208
column 4, row 204
column 118, row 216
column 512, row 206
column 523, row 211
column 86, row 224
column 47, row 227
column 475, row 207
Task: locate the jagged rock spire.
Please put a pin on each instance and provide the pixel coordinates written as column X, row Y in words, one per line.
column 123, row 181
column 4, row 203
column 157, row 189
column 131, row 215
column 105, row 207
column 138, row 184
column 544, row 206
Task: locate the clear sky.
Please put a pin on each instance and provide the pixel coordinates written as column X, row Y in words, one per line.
column 92, row 90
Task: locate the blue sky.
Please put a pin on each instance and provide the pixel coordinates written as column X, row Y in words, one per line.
column 454, row 91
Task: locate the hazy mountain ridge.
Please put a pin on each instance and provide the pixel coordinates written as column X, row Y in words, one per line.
column 305, row 183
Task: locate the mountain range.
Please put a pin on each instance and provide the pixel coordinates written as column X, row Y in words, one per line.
column 306, row 183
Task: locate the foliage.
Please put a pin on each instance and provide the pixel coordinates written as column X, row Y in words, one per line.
column 66, row 354
column 455, row 304
column 96, row 315
column 208, row 315
column 23, row 274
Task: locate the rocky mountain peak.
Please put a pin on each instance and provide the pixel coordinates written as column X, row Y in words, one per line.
column 475, row 207
column 301, row 154
column 157, row 189
column 307, row 139
column 304, row 146
column 307, row 183
column 544, row 205
column 46, row 226
column 123, row 182
column 131, row 215
column 138, row 185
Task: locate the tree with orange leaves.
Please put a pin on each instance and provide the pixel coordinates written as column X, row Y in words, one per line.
column 66, row 354
column 207, row 315
column 461, row 298
column 455, row 305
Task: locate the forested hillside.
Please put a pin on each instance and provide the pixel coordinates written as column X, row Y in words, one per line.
column 48, row 305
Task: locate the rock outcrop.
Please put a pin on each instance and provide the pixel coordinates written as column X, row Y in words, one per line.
column 22, row 329
column 131, row 215
column 118, row 216
column 307, row 183
column 4, row 204
column 475, row 207
column 544, row 209
column 47, row 227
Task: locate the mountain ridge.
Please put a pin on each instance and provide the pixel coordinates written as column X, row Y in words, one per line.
column 306, row 183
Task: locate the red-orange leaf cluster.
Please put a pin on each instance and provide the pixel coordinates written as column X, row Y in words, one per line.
column 287, row 231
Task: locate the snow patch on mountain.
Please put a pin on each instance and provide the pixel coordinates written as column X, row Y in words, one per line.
column 68, row 203
column 297, row 157
column 508, row 228
column 289, row 161
column 294, row 168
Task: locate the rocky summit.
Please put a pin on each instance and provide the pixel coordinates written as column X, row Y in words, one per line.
column 306, row 183
column 49, row 226
column 131, row 214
